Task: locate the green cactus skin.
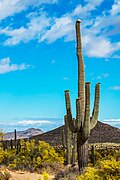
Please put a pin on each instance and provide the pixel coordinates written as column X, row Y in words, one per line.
column 11, row 144
column 15, row 138
column 68, row 135
column 69, row 143
column 92, row 155
column 63, row 139
column 84, row 123
column 74, row 146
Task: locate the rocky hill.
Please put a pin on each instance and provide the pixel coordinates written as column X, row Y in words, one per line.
column 100, row 134
column 23, row 134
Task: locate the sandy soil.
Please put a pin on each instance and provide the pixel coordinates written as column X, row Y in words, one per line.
column 19, row 175
column 23, row 176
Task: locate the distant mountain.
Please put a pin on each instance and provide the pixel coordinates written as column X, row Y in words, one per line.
column 23, row 134
column 100, row 134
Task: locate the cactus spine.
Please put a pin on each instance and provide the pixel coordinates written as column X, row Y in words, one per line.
column 84, row 123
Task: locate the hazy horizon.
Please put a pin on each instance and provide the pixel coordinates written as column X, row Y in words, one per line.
column 45, row 124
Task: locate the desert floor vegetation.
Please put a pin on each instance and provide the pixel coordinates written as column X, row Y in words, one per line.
column 42, row 161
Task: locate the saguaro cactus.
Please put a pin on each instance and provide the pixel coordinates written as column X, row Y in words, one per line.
column 11, row 144
column 84, row 123
column 15, row 133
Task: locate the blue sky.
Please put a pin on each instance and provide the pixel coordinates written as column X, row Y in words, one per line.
column 38, row 59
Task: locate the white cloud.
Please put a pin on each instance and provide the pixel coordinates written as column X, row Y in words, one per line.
column 103, row 76
column 112, row 122
column 116, row 88
column 84, row 11
column 65, row 78
column 95, row 49
column 11, row 7
column 97, row 31
column 95, row 38
column 116, row 7
column 61, row 27
column 35, row 28
column 6, row 66
column 34, row 122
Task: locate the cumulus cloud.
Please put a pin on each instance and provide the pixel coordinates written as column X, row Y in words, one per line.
column 103, row 76
column 116, row 7
column 99, row 77
column 112, row 122
column 97, row 31
column 6, row 66
column 34, row 122
column 35, row 28
column 46, row 124
column 62, row 27
column 11, row 7
column 116, row 88
column 66, row 78
column 84, row 11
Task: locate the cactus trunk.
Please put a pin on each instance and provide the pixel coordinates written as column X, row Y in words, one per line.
column 74, row 148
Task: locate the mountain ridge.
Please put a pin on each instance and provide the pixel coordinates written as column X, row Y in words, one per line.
column 101, row 133
column 23, row 134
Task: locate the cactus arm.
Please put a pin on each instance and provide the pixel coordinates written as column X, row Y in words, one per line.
column 86, row 125
column 95, row 112
column 69, row 113
column 68, row 141
column 81, row 91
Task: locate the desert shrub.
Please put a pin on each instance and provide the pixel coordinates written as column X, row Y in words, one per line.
column 106, row 154
column 67, row 174
column 2, row 155
column 107, row 170
column 4, row 175
column 32, row 156
column 51, row 168
column 60, row 150
column 45, row 176
column 6, row 157
column 2, row 134
column 90, row 174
